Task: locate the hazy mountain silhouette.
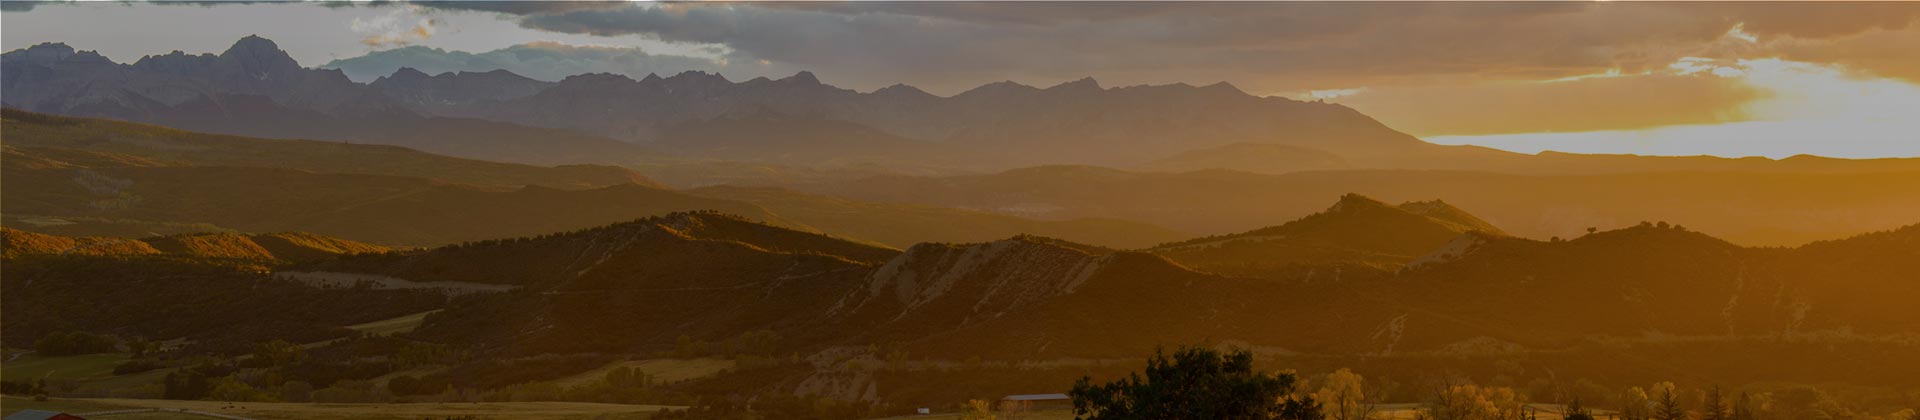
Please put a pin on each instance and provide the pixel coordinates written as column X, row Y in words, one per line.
column 100, row 177
column 1751, row 208
column 79, row 142
column 1251, row 157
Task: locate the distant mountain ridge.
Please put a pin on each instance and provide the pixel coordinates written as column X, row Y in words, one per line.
column 1006, row 123
column 100, row 143
column 1752, row 208
column 256, row 89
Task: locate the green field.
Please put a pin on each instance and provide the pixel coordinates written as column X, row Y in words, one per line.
column 9, row 404
column 81, row 368
column 83, row 372
column 663, row 371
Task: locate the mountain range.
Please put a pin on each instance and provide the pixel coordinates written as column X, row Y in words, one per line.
column 796, row 123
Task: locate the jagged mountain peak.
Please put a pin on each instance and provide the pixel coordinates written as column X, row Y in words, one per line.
column 55, row 52
column 408, row 73
column 998, row 88
column 1084, row 84
column 260, row 56
column 1223, row 87
column 802, row 78
column 45, row 51
column 902, row 90
column 702, row 76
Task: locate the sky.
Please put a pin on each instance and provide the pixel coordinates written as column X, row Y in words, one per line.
column 1726, row 79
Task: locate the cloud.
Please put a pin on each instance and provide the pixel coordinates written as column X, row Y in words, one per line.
column 399, row 27
column 1849, row 115
column 22, row 6
column 539, row 60
column 1262, row 46
column 1577, row 104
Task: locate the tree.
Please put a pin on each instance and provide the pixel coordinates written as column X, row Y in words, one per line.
column 978, row 410
column 1196, row 383
column 1344, row 396
column 1668, row 407
column 628, row 377
column 1469, row 402
column 1576, row 411
column 1742, row 408
column 279, row 353
column 296, row 391
column 1634, row 405
column 1715, row 407
column 185, row 384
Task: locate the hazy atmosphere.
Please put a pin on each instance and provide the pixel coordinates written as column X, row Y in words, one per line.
column 970, row 210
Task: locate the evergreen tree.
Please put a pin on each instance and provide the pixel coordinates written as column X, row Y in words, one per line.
column 1668, row 407
column 1742, row 408
column 1576, row 411
column 1716, row 407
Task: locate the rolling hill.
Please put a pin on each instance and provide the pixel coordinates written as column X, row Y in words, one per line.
column 1357, row 233
column 1032, row 297
column 268, row 247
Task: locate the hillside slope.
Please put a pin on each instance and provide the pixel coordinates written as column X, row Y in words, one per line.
column 1356, row 233
column 268, row 247
column 902, row 225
